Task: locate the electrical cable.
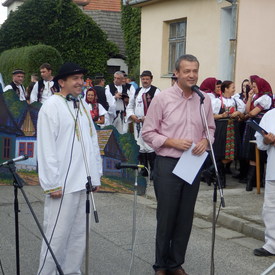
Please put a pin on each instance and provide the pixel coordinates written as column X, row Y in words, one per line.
column 2, row 268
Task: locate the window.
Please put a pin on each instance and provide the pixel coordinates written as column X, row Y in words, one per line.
column 30, row 149
column 7, row 148
column 22, row 148
column 109, row 164
column 177, row 41
column 26, row 148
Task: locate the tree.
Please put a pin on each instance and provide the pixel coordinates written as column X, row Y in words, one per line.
column 61, row 24
column 130, row 22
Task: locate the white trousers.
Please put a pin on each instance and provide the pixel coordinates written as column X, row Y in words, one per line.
column 143, row 146
column 269, row 216
column 68, row 241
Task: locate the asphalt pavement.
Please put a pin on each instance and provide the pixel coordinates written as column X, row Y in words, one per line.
column 239, row 222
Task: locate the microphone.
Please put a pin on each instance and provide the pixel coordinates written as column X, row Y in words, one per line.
column 75, row 100
column 11, row 161
column 197, row 90
column 127, row 165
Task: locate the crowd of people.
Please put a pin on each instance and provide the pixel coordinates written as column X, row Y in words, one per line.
column 163, row 129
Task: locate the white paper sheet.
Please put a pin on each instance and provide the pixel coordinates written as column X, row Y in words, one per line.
column 189, row 165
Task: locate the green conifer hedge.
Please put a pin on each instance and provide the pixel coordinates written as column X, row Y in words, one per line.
column 29, row 60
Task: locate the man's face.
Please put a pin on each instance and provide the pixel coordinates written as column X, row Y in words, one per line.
column 187, row 74
column 46, row 74
column 72, row 85
column 18, row 79
column 146, row 81
column 118, row 79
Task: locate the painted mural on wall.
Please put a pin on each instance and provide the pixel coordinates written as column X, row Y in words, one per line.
column 18, row 122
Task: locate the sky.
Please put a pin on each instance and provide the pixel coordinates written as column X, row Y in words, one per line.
column 3, row 13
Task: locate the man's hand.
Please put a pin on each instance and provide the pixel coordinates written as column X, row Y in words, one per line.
column 200, row 147
column 135, row 119
column 56, row 194
column 269, row 138
column 179, row 144
column 118, row 95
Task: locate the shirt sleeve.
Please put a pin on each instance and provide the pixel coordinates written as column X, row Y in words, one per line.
column 130, row 108
column 48, row 166
column 34, row 93
column 240, row 105
column 111, row 100
column 259, row 138
column 8, row 87
column 150, row 129
column 216, row 105
column 264, row 102
column 102, row 110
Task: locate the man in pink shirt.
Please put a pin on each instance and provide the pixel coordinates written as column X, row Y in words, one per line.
column 173, row 123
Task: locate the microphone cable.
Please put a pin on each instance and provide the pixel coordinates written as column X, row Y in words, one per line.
column 1, row 266
column 65, row 183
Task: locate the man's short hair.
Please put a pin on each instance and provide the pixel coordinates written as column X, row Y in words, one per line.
column 119, row 73
column 46, row 66
column 187, row 57
column 146, row 73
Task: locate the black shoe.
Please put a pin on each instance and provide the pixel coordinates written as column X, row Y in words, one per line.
column 261, row 252
column 208, row 176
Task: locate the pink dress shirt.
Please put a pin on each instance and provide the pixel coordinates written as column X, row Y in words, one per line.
column 172, row 115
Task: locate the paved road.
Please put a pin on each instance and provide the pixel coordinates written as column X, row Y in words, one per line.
column 110, row 240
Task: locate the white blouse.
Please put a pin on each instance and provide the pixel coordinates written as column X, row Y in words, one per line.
column 228, row 102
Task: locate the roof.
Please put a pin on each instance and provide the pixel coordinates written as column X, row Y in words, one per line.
column 109, row 21
column 105, row 5
column 103, row 138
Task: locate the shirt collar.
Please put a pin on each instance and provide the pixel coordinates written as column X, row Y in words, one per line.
column 180, row 93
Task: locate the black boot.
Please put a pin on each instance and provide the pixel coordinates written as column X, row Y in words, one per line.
column 151, row 159
column 251, row 178
column 143, row 161
column 209, row 174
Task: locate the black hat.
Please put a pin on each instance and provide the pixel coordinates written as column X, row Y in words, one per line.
column 174, row 77
column 68, row 69
column 99, row 76
column 18, row 71
column 146, row 73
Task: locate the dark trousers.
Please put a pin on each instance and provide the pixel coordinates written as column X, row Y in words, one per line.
column 175, row 210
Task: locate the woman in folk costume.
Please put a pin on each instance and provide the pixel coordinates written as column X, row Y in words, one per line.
column 227, row 112
column 96, row 109
column 211, row 86
column 258, row 103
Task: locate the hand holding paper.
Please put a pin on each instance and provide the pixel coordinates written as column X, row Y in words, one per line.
column 189, row 165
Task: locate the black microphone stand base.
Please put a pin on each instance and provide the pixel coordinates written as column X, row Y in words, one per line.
column 18, row 183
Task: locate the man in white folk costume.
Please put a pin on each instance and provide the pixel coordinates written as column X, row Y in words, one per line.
column 62, row 172
column 136, row 112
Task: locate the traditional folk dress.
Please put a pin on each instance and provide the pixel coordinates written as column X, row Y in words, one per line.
column 227, row 135
column 61, row 166
column 117, row 107
column 19, row 90
column 42, row 90
column 138, row 105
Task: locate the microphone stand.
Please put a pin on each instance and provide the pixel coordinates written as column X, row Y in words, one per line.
column 18, row 183
column 89, row 189
column 216, row 184
column 134, row 227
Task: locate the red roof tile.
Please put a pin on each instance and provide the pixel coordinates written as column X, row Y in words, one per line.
column 105, row 5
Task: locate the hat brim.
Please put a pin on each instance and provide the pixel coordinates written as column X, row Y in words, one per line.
column 61, row 76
